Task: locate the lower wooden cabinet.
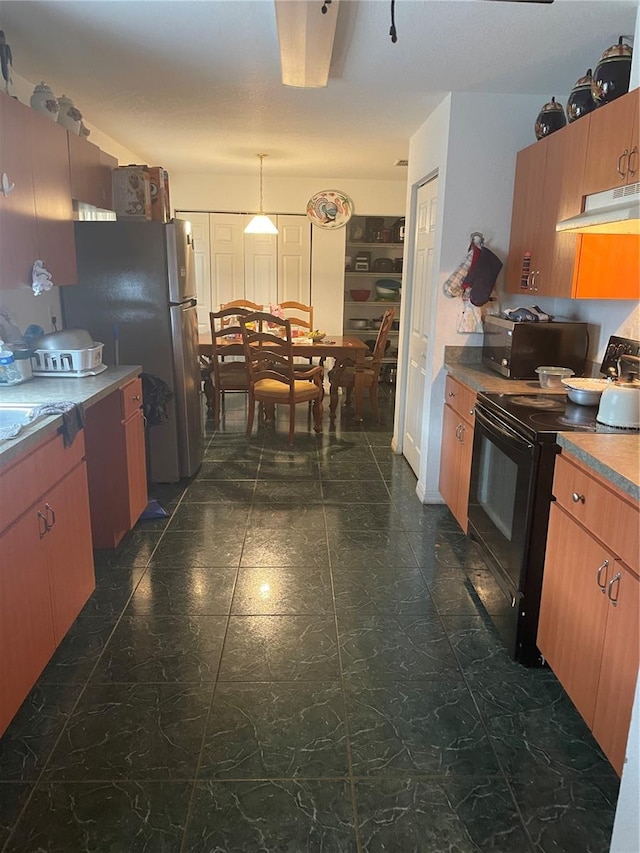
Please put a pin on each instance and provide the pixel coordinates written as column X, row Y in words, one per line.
column 46, row 574
column 116, row 461
column 590, row 608
column 457, row 446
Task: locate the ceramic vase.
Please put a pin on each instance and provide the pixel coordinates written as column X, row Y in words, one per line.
column 612, row 74
column 550, row 118
column 69, row 116
column 580, row 100
column 44, row 101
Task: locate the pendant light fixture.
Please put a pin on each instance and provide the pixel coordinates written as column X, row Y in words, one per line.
column 261, row 224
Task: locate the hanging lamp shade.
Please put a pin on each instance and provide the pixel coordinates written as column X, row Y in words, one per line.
column 261, row 224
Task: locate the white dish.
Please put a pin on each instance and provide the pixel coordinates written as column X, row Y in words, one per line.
column 587, row 384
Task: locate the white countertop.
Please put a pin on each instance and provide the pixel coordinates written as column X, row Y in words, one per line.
column 86, row 391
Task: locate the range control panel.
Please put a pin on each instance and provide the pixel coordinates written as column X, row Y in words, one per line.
column 616, row 348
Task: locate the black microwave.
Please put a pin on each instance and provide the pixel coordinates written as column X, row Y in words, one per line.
column 515, row 349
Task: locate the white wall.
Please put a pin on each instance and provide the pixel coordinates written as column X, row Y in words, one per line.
column 471, row 140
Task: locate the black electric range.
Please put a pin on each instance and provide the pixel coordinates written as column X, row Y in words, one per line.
column 512, row 466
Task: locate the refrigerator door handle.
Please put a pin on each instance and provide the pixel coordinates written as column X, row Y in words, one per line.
column 188, row 303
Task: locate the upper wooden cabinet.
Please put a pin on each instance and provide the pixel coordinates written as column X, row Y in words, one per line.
column 90, row 172
column 548, row 187
column 552, row 178
column 52, row 194
column 18, row 237
column 612, row 154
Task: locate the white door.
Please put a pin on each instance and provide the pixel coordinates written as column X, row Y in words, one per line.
column 261, row 268
column 227, row 257
column 418, row 337
column 294, row 259
column 202, row 266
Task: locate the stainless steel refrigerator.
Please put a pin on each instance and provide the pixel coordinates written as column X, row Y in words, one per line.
column 137, row 295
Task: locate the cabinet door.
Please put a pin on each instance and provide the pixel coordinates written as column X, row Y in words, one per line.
column 562, row 197
column 18, row 243
column 607, row 267
column 612, row 132
column 294, row 259
column 527, row 201
column 464, row 473
column 134, row 443
column 90, row 172
column 53, row 205
column 227, row 258
column 620, row 659
column 449, row 460
column 261, row 268
column 26, row 626
column 69, row 548
column 201, row 266
column 573, row 609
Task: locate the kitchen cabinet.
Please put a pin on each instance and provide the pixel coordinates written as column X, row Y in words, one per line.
column 18, row 236
column 116, row 462
column 47, row 568
column 90, row 172
column 612, row 158
column 52, row 193
column 548, row 186
column 607, row 267
column 590, row 607
column 374, row 246
column 457, row 446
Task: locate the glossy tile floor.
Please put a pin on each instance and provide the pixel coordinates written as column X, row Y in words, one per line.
column 294, row 661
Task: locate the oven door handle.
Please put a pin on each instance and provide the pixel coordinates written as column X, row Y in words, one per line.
column 510, row 437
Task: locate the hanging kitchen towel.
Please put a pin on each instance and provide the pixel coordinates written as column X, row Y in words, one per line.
column 72, row 418
column 453, row 285
column 482, row 277
column 470, row 318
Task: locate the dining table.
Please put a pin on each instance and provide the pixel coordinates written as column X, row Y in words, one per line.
column 338, row 347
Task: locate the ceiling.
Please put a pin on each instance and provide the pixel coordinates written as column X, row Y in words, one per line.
column 196, row 86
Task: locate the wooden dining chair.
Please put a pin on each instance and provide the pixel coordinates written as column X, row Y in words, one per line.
column 343, row 374
column 226, row 341
column 246, row 304
column 274, row 378
column 301, row 315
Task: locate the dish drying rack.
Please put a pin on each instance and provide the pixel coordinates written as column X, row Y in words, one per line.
column 68, row 362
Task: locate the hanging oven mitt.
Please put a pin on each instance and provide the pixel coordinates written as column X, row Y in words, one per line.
column 453, row 286
column 482, row 277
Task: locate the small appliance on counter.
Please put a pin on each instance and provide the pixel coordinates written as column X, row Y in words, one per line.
column 515, row 349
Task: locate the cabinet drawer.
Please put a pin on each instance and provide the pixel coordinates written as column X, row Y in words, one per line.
column 600, row 509
column 23, row 483
column 131, row 398
column 460, row 397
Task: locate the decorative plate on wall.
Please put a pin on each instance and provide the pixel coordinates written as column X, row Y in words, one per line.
column 330, row 209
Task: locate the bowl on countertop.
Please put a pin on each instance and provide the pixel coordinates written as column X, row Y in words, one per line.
column 585, row 392
column 551, row 377
column 359, row 295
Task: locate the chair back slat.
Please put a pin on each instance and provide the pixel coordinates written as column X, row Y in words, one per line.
column 268, row 347
column 245, row 304
column 380, row 347
column 301, row 315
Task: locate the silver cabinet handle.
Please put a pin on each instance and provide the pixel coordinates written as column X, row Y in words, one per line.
column 42, row 530
column 603, row 586
column 614, row 580
column 51, row 513
column 633, row 156
column 6, row 185
column 137, row 398
column 462, row 431
column 620, row 168
column 452, row 394
column 577, row 499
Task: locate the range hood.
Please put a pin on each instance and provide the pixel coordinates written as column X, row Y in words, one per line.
column 610, row 212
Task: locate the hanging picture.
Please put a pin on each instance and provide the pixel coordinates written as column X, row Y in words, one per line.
column 329, row 209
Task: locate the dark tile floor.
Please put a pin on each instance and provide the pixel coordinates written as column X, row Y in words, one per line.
column 294, row 661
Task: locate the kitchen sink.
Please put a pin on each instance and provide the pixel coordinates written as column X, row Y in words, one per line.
column 15, row 416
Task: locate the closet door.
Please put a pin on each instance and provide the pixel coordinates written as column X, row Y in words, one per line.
column 261, row 268
column 226, row 237
column 202, row 265
column 294, row 258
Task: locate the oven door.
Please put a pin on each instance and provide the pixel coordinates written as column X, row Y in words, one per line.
column 503, row 471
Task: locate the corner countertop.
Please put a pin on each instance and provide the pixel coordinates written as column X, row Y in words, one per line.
column 616, row 457
column 86, row 391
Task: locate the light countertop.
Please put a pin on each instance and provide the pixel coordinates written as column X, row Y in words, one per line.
column 86, row 391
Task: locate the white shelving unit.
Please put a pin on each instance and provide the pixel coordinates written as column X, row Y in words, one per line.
column 361, row 251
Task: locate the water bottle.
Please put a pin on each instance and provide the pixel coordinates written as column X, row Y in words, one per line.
column 9, row 373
